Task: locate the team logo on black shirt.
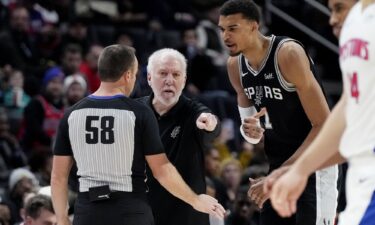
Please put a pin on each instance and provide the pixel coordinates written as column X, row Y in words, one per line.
column 258, row 95
column 258, row 92
column 175, row 132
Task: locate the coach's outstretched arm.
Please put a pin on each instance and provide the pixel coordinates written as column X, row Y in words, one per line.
column 170, row 179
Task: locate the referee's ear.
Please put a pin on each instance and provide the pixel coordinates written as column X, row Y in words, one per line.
column 128, row 75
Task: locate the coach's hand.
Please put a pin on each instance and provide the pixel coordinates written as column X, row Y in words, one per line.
column 251, row 125
column 206, row 121
column 207, row 204
column 256, row 193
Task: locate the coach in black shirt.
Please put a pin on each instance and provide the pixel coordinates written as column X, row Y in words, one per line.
column 111, row 137
column 186, row 128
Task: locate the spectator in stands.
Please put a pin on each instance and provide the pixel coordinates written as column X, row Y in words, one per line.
column 4, row 14
column 246, row 153
column 42, row 115
column 77, row 33
column 212, row 162
column 71, row 59
column 75, row 88
column 209, row 35
column 231, row 173
column 212, row 169
column 44, row 26
column 39, row 211
column 244, row 210
column 21, row 182
column 89, row 67
column 4, row 214
column 41, row 165
column 221, row 143
column 18, row 45
column 11, row 154
column 200, row 68
column 15, row 100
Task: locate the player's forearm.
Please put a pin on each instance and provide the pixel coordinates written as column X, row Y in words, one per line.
column 326, row 144
column 171, row 180
column 59, row 191
column 333, row 160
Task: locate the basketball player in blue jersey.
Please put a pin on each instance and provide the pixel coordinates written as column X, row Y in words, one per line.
column 275, row 84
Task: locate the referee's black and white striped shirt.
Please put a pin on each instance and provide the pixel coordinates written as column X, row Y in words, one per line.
column 109, row 138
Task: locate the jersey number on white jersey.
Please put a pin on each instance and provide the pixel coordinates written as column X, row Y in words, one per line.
column 354, row 90
column 102, row 131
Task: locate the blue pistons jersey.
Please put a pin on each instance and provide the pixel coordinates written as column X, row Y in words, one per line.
column 286, row 122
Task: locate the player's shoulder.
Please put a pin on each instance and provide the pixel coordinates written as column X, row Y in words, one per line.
column 290, row 51
column 232, row 61
column 291, row 48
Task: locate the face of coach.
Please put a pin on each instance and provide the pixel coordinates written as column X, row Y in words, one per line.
column 166, row 75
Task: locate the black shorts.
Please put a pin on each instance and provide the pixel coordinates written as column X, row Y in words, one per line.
column 316, row 206
column 123, row 208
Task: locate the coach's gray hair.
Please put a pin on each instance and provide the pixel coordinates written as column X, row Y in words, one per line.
column 161, row 54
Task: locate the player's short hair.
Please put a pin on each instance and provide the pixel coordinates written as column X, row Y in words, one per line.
column 35, row 205
column 247, row 8
column 161, row 54
column 114, row 61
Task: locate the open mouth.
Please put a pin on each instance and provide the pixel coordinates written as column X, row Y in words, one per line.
column 168, row 92
column 230, row 46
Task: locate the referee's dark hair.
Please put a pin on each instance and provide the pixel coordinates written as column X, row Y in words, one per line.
column 114, row 61
column 35, row 205
column 247, row 8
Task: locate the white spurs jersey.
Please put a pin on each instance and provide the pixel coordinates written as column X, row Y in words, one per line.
column 357, row 62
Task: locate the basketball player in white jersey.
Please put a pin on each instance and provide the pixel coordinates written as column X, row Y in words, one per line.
column 349, row 132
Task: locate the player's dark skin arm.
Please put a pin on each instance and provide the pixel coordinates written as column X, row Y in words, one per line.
column 295, row 68
column 234, row 78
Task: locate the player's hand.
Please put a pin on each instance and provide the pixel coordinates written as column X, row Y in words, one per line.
column 251, row 125
column 206, row 121
column 207, row 204
column 272, row 178
column 286, row 191
column 256, row 193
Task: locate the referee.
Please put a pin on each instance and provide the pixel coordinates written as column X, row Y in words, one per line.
column 111, row 137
